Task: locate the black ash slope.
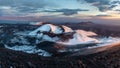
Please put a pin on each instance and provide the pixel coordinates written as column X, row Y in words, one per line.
column 16, row 59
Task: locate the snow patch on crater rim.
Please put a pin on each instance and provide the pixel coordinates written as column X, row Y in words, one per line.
column 80, row 36
column 47, row 28
column 79, row 39
column 66, row 29
column 29, row 49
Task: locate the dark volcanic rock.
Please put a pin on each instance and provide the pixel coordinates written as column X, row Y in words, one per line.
column 16, row 59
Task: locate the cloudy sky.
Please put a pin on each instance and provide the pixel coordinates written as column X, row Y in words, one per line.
column 99, row 11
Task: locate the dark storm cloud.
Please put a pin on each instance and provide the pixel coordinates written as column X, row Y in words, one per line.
column 26, row 9
column 112, row 6
column 23, row 6
column 101, row 2
column 6, row 3
column 67, row 11
column 103, row 15
column 19, row 3
column 115, row 2
column 103, row 5
column 103, row 8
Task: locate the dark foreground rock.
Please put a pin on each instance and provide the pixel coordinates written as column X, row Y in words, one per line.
column 16, row 59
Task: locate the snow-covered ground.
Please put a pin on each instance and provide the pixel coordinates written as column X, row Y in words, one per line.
column 79, row 37
column 29, row 49
column 47, row 28
column 107, row 41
